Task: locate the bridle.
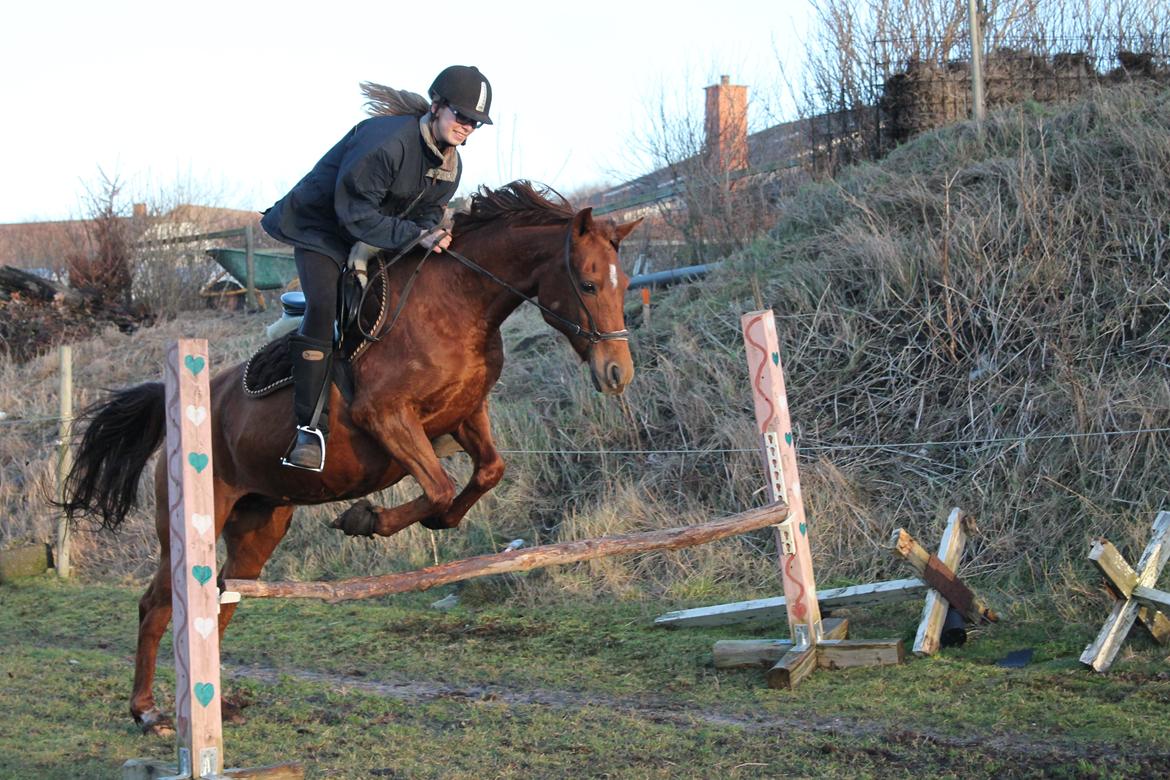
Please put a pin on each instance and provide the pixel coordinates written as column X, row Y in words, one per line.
column 592, row 334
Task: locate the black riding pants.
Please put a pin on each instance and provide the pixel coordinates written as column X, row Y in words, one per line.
column 320, row 277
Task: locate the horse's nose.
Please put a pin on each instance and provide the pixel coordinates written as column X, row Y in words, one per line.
column 613, row 373
column 614, row 376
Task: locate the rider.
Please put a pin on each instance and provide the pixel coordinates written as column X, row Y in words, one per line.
column 382, row 186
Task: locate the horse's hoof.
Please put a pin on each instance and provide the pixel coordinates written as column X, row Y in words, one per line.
column 359, row 520
column 232, row 711
column 156, row 723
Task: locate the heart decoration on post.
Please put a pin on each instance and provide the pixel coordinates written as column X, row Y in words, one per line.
column 198, row 461
column 204, row 692
column 196, row 414
column 201, row 573
column 204, row 626
column 202, row 523
column 194, row 364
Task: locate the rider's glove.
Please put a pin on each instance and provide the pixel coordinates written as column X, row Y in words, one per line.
column 359, row 257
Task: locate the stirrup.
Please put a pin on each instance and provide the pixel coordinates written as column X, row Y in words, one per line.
column 284, row 461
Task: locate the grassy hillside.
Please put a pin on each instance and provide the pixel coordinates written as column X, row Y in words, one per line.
column 972, row 322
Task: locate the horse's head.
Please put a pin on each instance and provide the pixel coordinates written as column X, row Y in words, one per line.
column 585, row 285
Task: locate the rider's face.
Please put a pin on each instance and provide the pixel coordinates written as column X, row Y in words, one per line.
column 450, row 127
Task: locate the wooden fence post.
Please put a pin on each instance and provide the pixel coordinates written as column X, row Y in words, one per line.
column 64, row 455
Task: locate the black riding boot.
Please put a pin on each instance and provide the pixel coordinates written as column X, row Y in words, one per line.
column 311, row 361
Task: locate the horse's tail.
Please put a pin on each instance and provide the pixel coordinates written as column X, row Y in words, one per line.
column 121, row 435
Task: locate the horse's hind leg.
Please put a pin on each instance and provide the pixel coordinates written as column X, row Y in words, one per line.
column 154, row 613
column 251, row 534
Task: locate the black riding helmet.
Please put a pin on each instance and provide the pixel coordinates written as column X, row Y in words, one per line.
column 466, row 90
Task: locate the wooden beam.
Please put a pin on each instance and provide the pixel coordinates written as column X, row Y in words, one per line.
column 850, row 653
column 1122, row 581
column 1099, row 654
column 741, row 653
column 514, row 560
column 773, row 609
column 941, row 578
column 793, row 666
column 934, row 610
column 1158, row 599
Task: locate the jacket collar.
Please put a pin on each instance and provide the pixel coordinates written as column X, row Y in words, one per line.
column 449, row 168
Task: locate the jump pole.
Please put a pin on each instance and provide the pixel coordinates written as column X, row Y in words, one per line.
column 194, row 594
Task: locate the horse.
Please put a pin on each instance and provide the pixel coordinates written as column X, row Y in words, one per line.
column 427, row 376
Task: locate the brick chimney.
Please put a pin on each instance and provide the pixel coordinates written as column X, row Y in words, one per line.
column 726, row 125
column 140, row 211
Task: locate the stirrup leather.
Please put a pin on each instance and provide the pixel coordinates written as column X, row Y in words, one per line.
column 284, row 461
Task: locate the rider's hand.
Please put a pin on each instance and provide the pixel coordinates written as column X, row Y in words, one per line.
column 436, row 239
column 359, row 257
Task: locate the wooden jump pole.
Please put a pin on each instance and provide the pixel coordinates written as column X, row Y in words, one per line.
column 513, row 560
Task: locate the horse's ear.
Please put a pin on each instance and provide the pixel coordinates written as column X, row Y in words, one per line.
column 583, row 221
column 626, row 229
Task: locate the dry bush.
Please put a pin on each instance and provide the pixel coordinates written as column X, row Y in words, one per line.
column 918, row 50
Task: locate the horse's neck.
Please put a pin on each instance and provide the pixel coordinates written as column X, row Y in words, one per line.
column 516, row 256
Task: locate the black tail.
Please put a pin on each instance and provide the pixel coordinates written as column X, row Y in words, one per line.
column 121, row 435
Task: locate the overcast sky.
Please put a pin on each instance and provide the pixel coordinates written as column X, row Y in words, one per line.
column 230, row 103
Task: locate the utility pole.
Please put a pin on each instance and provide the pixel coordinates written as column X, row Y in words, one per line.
column 976, row 33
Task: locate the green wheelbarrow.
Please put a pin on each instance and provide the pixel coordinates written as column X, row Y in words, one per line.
column 271, row 271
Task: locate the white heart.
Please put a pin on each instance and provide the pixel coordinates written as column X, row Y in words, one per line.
column 204, row 626
column 201, row 522
column 196, row 414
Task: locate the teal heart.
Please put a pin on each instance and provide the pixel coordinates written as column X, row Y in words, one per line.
column 776, row 358
column 198, row 461
column 803, row 529
column 788, row 438
column 204, row 692
column 194, row 364
column 201, row 573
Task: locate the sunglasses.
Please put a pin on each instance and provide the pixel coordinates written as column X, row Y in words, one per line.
column 464, row 119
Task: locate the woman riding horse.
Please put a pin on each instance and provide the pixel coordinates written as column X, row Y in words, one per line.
column 429, row 375
column 384, row 185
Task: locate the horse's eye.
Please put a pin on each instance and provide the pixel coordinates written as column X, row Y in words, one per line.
column 588, row 287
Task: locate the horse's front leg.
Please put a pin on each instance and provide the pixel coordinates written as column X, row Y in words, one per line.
column 401, row 433
column 475, row 437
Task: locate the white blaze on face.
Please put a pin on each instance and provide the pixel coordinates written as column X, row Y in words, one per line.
column 613, row 275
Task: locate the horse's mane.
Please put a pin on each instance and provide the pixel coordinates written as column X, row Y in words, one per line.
column 517, row 202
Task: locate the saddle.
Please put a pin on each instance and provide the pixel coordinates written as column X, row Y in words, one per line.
column 270, row 367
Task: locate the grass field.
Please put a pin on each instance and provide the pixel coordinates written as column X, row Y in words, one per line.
column 395, row 688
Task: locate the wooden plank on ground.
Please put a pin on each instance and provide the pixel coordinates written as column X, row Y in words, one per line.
column 934, row 610
column 1099, row 654
column 514, row 560
column 793, row 666
column 849, row 653
column 742, row 653
column 942, row 579
column 773, row 609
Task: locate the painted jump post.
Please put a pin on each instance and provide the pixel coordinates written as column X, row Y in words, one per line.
column 812, row 645
column 194, row 592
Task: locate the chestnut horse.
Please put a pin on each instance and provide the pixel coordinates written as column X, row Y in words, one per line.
column 429, row 376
